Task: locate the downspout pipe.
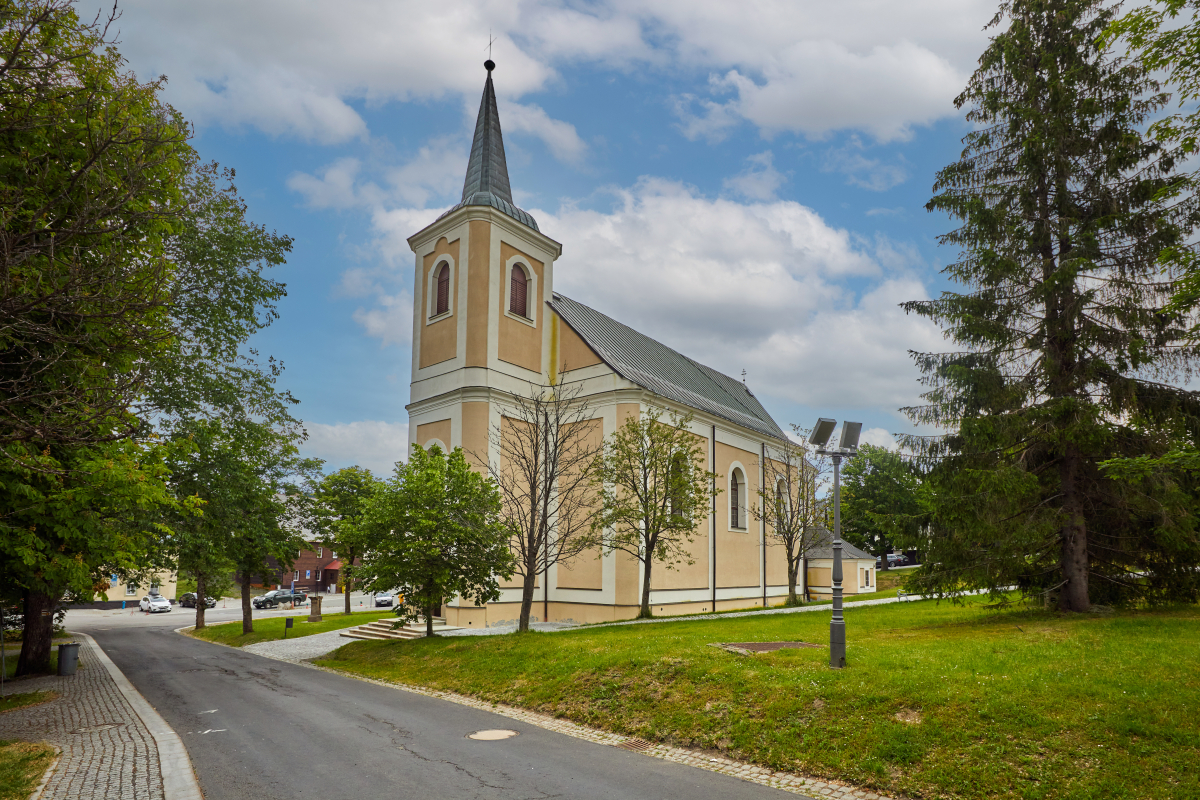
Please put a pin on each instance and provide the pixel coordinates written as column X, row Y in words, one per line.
column 712, row 538
column 762, row 518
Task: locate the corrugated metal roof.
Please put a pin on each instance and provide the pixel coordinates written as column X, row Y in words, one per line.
column 486, row 183
column 654, row 366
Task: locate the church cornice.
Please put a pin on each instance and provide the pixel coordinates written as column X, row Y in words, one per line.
column 465, row 214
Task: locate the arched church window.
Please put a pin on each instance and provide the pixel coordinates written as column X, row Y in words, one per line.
column 518, row 301
column 443, row 289
column 736, row 488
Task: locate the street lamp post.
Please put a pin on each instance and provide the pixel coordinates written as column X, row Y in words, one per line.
column 847, row 447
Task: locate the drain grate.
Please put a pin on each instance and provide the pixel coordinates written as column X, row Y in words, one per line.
column 103, row 726
column 636, row 745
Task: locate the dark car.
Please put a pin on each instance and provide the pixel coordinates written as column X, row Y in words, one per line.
column 189, row 601
column 279, row 597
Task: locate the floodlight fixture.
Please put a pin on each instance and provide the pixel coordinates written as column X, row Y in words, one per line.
column 850, row 432
column 822, row 431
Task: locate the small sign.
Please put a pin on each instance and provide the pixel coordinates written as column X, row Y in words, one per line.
column 287, row 622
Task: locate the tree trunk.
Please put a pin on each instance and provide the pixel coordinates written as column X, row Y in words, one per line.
column 793, row 568
column 247, row 618
column 645, row 612
column 348, row 581
column 527, row 598
column 39, row 629
column 201, row 606
column 429, row 620
column 804, row 576
column 1074, row 593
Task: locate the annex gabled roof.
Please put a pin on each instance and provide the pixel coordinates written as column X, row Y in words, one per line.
column 652, row 365
column 487, row 171
column 822, row 547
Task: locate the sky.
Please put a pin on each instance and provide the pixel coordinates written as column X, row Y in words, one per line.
column 745, row 182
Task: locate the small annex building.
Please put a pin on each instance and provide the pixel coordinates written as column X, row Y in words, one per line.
column 488, row 322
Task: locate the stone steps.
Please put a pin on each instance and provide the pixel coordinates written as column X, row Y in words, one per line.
column 381, row 629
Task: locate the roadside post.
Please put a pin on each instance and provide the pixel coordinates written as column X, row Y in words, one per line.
column 847, row 448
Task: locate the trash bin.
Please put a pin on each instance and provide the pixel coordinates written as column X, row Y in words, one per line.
column 68, row 658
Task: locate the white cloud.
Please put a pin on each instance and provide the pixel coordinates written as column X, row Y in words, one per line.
column 301, row 67
column 758, row 286
column 372, row 444
column 861, row 171
column 759, row 180
column 880, row 437
column 391, row 321
column 559, row 137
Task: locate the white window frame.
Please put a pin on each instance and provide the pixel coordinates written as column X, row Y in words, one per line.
column 296, row 575
column 320, row 550
column 131, row 590
column 531, row 291
column 431, row 315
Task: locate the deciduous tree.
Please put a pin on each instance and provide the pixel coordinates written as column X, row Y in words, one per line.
column 436, row 533
column 653, row 490
column 340, row 501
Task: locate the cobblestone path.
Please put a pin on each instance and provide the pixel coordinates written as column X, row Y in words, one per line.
column 107, row 752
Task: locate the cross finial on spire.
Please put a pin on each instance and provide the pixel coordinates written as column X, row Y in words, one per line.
column 490, row 65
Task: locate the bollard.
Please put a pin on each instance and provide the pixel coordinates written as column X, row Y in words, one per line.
column 315, row 611
column 68, row 658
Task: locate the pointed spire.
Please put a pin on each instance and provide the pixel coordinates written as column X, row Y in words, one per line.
column 487, row 171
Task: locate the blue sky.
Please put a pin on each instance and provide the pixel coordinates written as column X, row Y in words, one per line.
column 745, row 182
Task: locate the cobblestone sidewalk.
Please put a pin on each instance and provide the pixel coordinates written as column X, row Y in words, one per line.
column 107, row 751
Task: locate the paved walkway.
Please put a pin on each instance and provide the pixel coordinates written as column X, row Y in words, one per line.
column 107, row 750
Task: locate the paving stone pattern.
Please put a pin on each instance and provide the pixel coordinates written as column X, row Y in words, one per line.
column 785, row 781
column 115, row 758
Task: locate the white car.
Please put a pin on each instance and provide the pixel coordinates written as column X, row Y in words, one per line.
column 385, row 599
column 155, row 602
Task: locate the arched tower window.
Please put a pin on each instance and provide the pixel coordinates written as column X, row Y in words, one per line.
column 518, row 300
column 737, row 489
column 443, row 289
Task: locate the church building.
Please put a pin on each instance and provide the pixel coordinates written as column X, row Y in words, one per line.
column 488, row 322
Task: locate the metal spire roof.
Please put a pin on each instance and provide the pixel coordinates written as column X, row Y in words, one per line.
column 487, row 171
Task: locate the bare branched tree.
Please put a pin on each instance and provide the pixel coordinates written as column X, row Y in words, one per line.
column 792, row 504
column 546, row 447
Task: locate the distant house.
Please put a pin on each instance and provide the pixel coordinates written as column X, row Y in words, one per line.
column 316, row 568
column 858, row 568
column 120, row 593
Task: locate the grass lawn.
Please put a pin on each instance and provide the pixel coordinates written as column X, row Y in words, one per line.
column 11, row 654
column 21, row 767
column 268, row 629
column 938, row 701
column 14, row 701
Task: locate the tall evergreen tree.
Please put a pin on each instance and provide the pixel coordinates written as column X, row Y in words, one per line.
column 1066, row 353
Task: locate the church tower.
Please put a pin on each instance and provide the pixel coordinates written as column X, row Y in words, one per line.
column 484, row 275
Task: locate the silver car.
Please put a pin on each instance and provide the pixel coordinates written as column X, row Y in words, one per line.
column 385, row 599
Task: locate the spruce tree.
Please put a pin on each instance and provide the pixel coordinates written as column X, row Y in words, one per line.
column 1065, row 355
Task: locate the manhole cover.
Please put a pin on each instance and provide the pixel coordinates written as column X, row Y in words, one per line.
column 103, row 726
column 492, row 735
column 636, row 745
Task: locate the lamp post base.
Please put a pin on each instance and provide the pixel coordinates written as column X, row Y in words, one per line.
column 837, row 644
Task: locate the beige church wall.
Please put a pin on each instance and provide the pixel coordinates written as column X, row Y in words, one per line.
column 439, row 340
column 627, row 410
column 628, row 581
column 573, row 352
column 585, row 571
column 475, row 432
column 777, row 563
column 439, row 430
column 737, row 551
column 478, row 273
column 521, row 344
column 820, row 577
column 694, row 575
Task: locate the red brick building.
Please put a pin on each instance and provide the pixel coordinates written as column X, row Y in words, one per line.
column 316, row 569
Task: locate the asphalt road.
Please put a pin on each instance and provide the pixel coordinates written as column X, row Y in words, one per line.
column 261, row 729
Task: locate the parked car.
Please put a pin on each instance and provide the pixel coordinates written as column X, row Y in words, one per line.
column 189, row 601
column 154, row 603
column 278, row 597
column 894, row 560
column 385, row 599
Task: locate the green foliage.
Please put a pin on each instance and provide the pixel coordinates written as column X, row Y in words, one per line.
column 91, row 165
column 653, row 490
column 436, row 533
column 881, row 501
column 340, row 501
column 1065, row 355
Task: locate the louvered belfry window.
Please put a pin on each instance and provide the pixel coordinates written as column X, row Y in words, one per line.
column 517, row 302
column 443, row 289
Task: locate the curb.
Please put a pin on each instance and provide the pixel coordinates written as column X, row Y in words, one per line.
column 178, row 777
column 41, row 787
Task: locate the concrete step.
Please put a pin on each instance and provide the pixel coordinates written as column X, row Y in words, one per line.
column 382, row 629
